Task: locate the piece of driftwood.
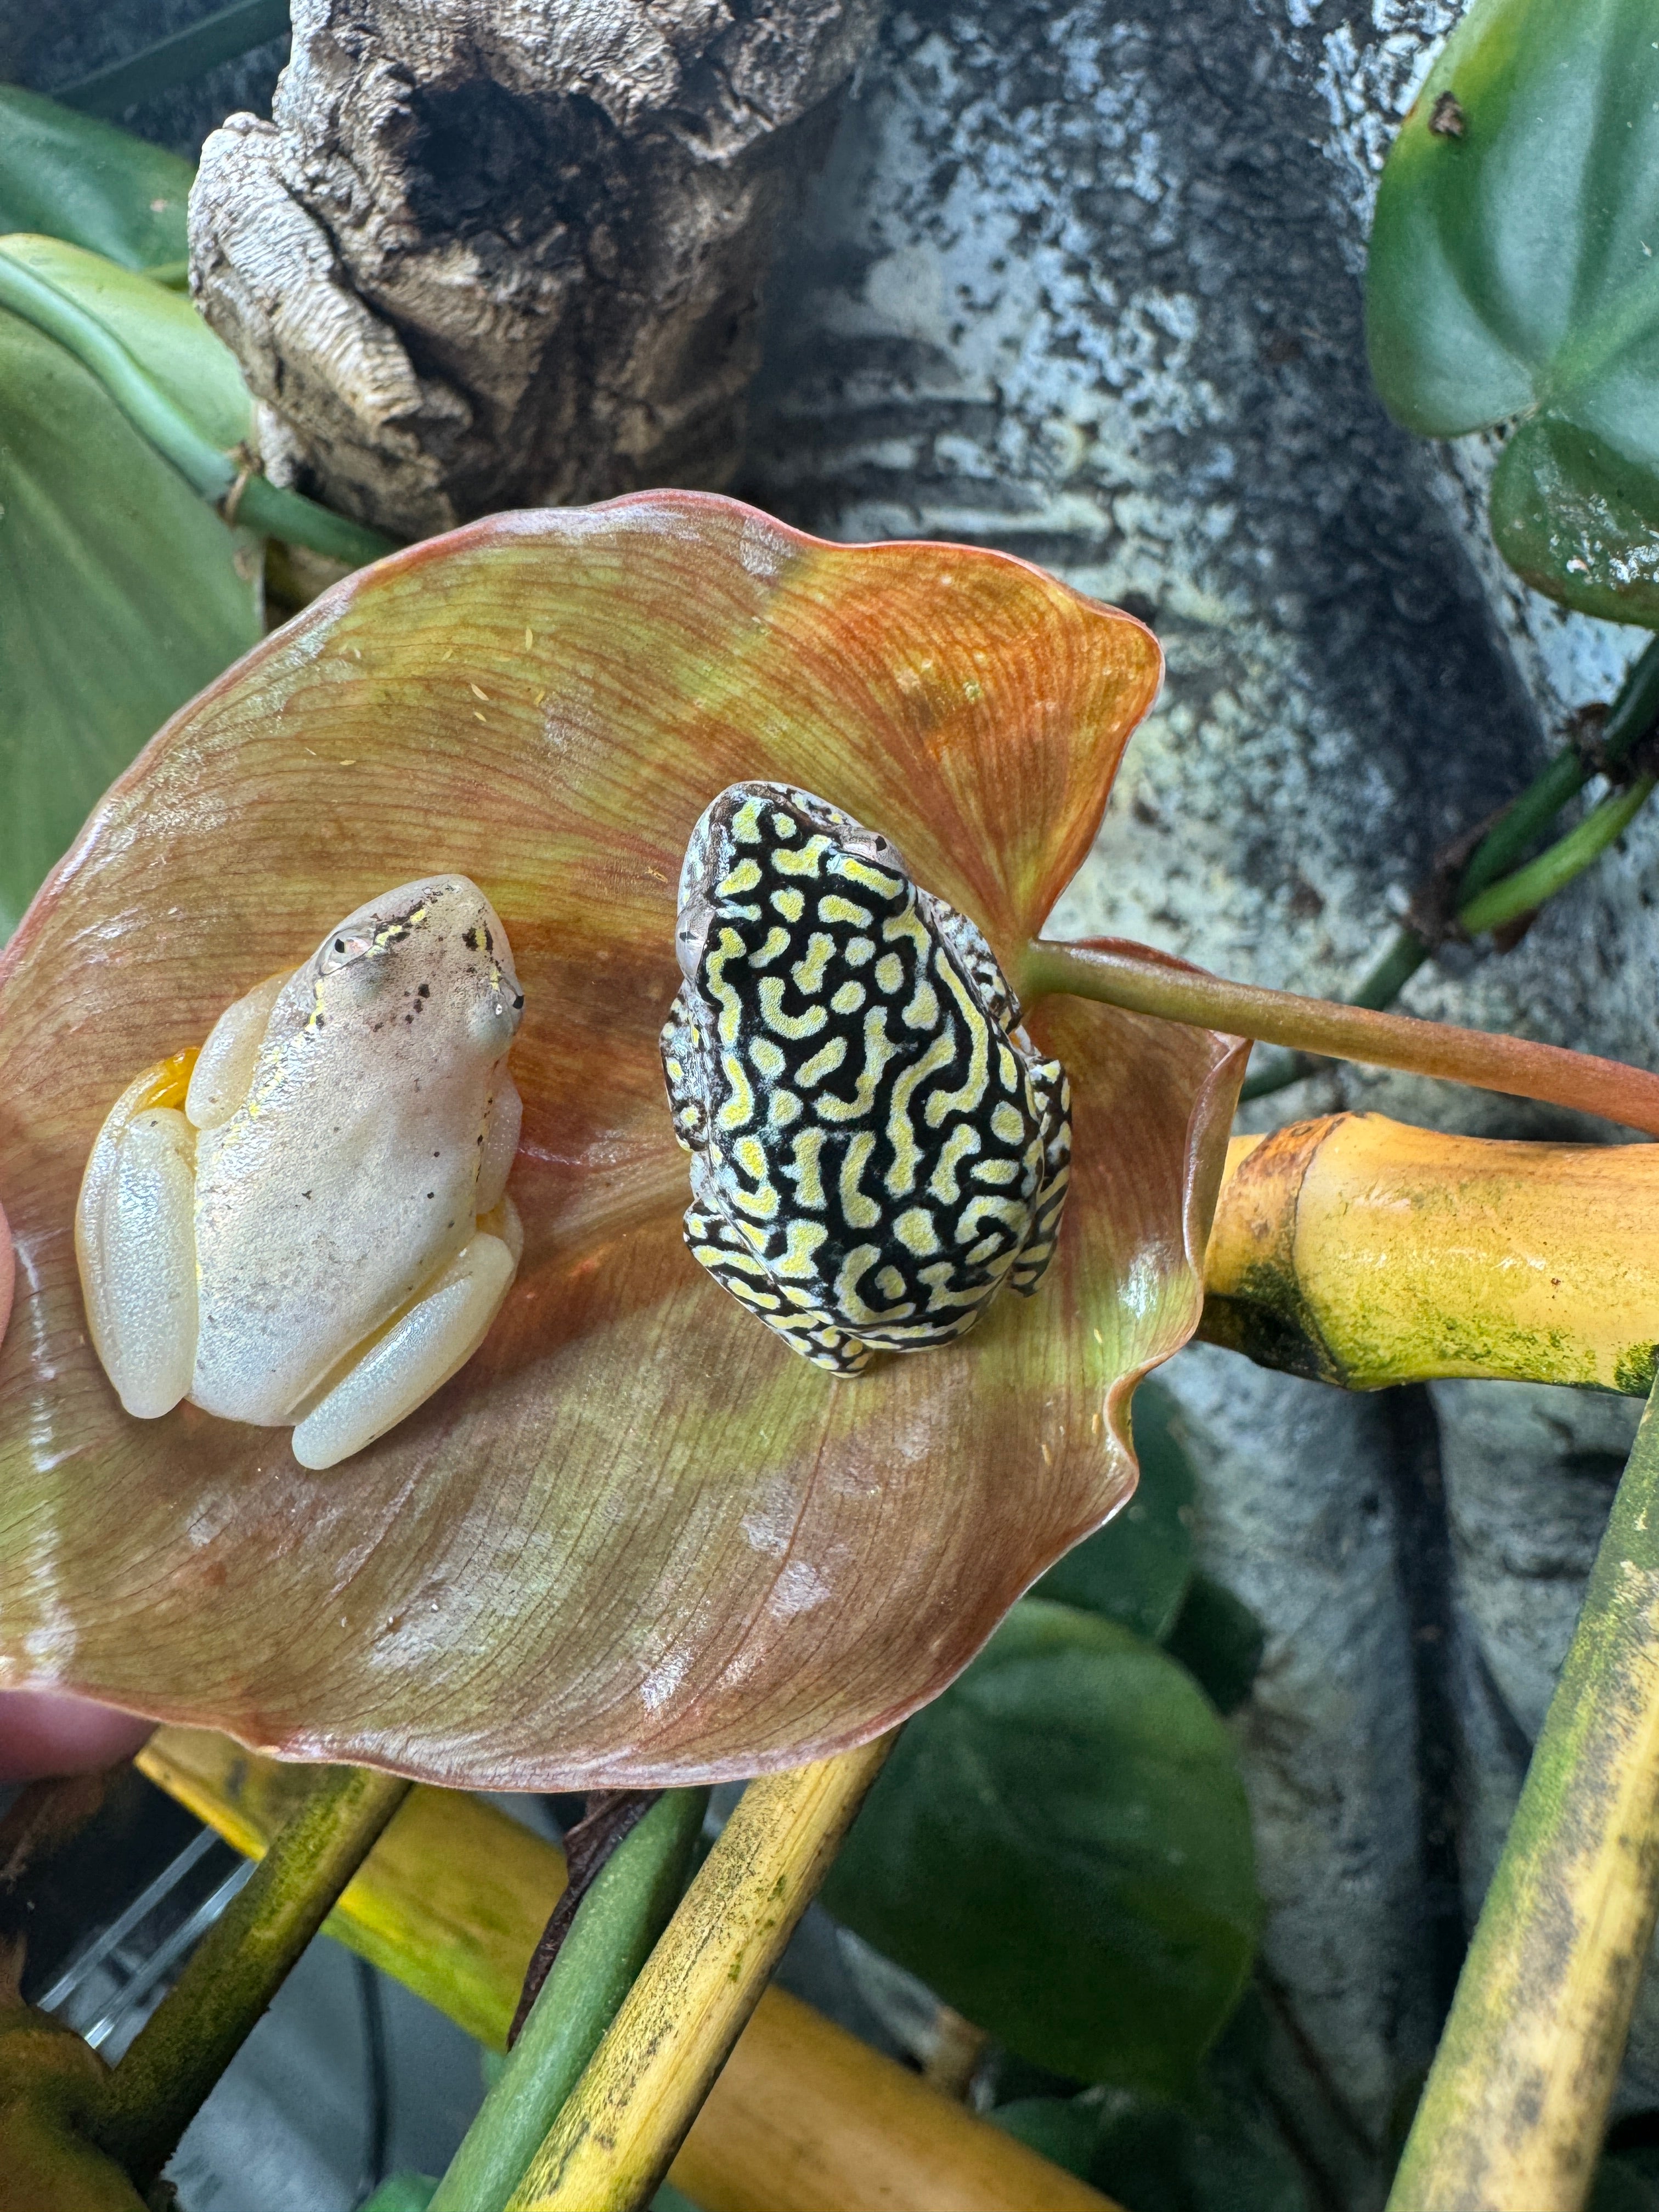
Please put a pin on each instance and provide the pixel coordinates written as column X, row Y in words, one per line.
column 500, row 253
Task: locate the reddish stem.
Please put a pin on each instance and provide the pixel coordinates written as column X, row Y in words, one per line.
column 1134, row 976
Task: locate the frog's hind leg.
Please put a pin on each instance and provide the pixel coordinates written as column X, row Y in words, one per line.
column 135, row 1238
column 1052, row 1093
column 804, row 1328
column 421, row 1349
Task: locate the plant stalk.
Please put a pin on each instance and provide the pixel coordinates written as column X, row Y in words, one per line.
column 1512, row 895
column 623, row 2122
column 804, row 2116
column 1632, row 717
column 1145, row 983
column 215, row 476
column 616, row 1926
column 238, row 1967
column 1517, row 2097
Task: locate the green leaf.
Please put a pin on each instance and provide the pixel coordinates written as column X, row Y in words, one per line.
column 1218, row 1640
column 1513, row 273
column 72, row 177
column 1566, row 506
column 1062, row 2130
column 121, row 592
column 180, row 57
column 1137, row 1568
column 163, row 333
column 1210, row 2154
column 1061, row 1846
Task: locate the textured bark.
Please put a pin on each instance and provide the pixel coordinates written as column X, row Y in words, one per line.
column 499, row 254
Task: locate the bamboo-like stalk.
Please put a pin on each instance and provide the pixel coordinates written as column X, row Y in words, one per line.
column 1120, row 974
column 1517, row 2098
column 616, row 1925
column 804, row 2117
column 238, row 1967
column 1361, row 1252
column 626, row 2118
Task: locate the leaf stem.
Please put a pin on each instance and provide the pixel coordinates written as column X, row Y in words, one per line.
column 237, row 1968
column 177, row 59
column 612, row 1937
column 1517, row 2097
column 1131, row 975
column 1632, row 716
column 215, row 475
column 1528, row 888
column 1630, row 719
column 624, row 2120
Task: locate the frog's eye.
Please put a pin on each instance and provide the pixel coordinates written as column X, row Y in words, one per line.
column 870, row 845
column 341, row 952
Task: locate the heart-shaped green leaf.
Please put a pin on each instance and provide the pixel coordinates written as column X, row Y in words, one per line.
column 1513, row 273
column 1207, row 2154
column 1061, row 1846
column 1579, row 521
column 635, row 1539
column 121, row 592
column 71, row 176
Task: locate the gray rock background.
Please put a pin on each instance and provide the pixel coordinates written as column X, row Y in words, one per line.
column 1081, row 281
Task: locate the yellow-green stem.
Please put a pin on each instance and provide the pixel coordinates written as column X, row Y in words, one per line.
column 624, row 2120
column 1515, row 2104
column 616, row 1926
column 1147, row 982
column 1566, row 859
column 238, row 1967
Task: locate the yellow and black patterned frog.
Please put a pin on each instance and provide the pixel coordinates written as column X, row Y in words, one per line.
column 876, row 1146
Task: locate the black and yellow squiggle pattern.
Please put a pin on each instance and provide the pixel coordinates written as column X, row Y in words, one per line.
column 875, row 1147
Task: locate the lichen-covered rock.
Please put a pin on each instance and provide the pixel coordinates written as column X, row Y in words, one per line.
column 501, row 254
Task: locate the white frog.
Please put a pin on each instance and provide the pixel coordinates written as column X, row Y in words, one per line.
column 307, row 1222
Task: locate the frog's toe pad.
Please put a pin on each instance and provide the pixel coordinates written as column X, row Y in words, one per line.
column 715, row 1245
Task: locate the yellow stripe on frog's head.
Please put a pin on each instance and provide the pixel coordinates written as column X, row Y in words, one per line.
column 746, row 822
column 857, row 871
